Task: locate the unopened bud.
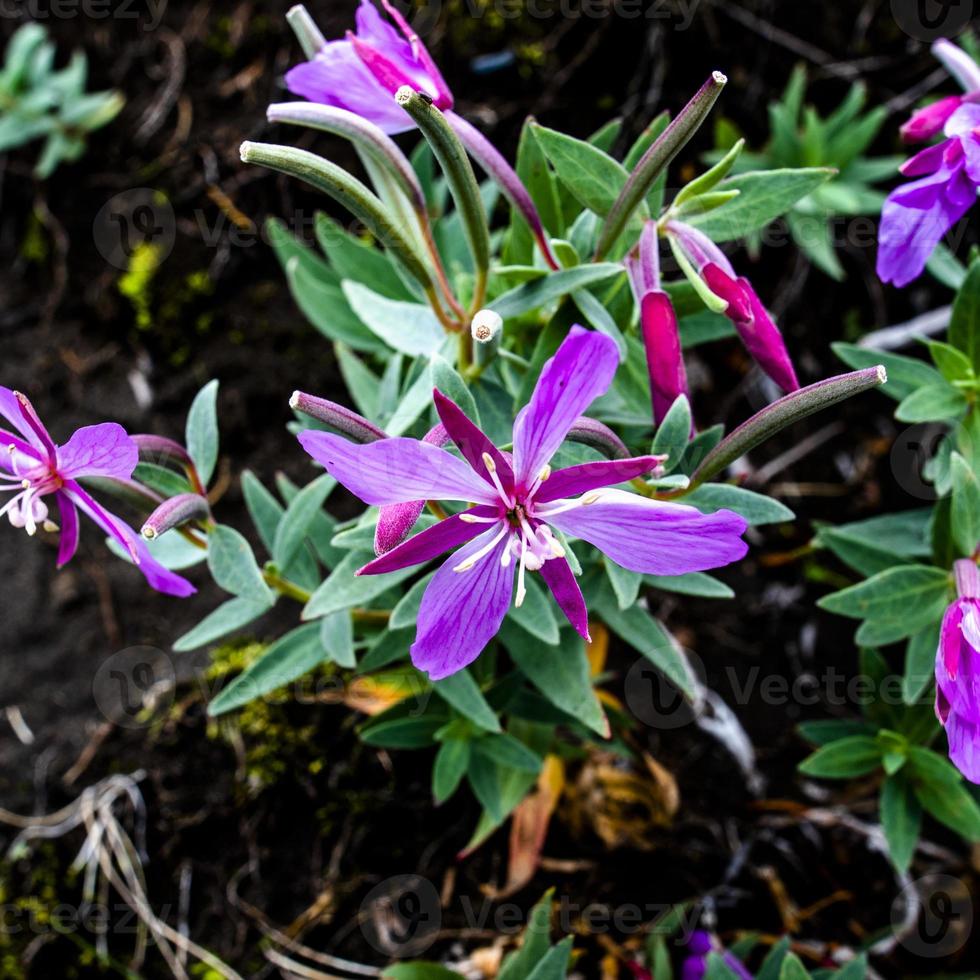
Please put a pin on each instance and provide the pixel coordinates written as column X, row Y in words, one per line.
column 486, row 326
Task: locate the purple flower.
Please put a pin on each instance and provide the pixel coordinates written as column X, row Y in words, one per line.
column 750, row 318
column 958, row 673
column 363, row 72
column 915, row 217
column 515, row 503
column 700, row 946
column 32, row 468
column 658, row 324
column 927, row 122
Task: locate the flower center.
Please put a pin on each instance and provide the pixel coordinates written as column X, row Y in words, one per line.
column 25, row 508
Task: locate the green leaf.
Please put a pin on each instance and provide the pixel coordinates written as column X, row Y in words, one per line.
column 625, row 584
column 691, row 583
column 343, row 590
column 407, row 610
column 953, row 364
column 594, row 178
column 233, row 565
column 901, row 820
column 905, row 374
column 452, row 761
column 773, row 962
column 793, row 968
column 717, row 969
column 756, row 508
column 509, row 752
column 263, row 508
column 536, row 614
column 966, row 505
column 403, row 733
column 295, row 525
column 855, row 755
column 554, row 964
column 227, row 618
column 165, row 481
column 407, row 327
column 535, row 942
column 934, row 403
column 915, row 595
column 337, row 638
column 560, row 673
column 419, row 971
column 763, row 197
column 202, row 431
column 449, row 382
column 463, row 693
column 357, row 260
column 484, row 776
column 291, row 656
column 650, row 637
column 547, row 289
column 825, row 731
column 920, row 663
column 940, row 789
column 870, row 546
column 674, row 433
column 964, row 325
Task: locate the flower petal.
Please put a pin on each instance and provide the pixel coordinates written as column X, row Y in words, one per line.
column 68, row 543
column 964, row 745
column 396, row 471
column 462, row 611
column 573, row 480
column 655, row 537
column 665, row 358
column 471, row 440
column 581, row 370
column 558, row 576
column 159, row 578
column 99, row 450
column 21, row 418
column 430, row 543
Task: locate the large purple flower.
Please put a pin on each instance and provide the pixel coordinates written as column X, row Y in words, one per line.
column 32, row 467
column 363, row 72
column 958, row 674
column 916, row 217
column 516, row 500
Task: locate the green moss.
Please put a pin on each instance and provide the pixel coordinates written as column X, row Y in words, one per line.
column 136, row 283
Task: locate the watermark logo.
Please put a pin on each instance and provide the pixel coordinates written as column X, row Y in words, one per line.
column 944, row 919
column 912, row 451
column 929, row 20
column 132, row 681
column 657, row 701
column 134, row 220
column 401, row 916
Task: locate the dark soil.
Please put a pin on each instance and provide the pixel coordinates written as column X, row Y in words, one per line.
column 329, row 818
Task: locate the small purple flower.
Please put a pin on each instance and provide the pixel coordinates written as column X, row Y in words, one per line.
column 515, row 502
column 700, row 946
column 363, row 72
column 958, row 673
column 750, row 318
column 927, row 122
column 915, row 217
column 658, row 324
column 32, row 467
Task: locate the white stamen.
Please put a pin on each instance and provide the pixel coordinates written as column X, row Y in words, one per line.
column 468, row 563
column 495, row 477
column 50, row 527
column 475, row 519
column 521, row 590
column 542, row 476
column 561, row 506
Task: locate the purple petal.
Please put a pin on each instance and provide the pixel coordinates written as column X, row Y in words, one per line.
column 573, row 480
column 339, row 78
column 964, row 121
column 471, row 441
column 665, row 358
column 958, row 63
column 68, row 543
column 581, row 370
column 99, row 450
column 655, row 537
column 558, row 576
column 159, row 578
column 908, row 236
column 430, row 543
column 396, row 471
column 765, row 343
column 958, row 659
column 964, row 745
column 701, row 250
column 925, row 123
column 442, row 97
column 24, row 456
column 396, row 520
column 926, row 161
column 12, row 409
column 462, row 611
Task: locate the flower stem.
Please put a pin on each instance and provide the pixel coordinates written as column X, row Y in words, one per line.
column 284, row 587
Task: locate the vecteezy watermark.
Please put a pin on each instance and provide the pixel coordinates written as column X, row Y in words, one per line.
column 912, row 452
column 401, row 916
column 131, row 681
column 659, row 702
column 134, row 219
column 678, row 14
column 28, row 918
column 146, row 13
column 928, row 20
column 943, row 919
